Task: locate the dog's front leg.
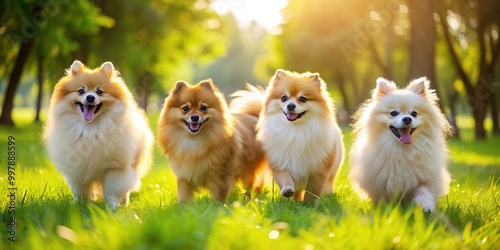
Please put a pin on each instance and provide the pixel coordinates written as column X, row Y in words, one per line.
column 285, row 181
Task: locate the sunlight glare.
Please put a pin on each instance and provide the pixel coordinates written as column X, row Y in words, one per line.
column 453, row 20
column 265, row 13
column 274, row 234
column 374, row 15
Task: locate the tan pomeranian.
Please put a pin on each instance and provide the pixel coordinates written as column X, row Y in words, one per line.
column 299, row 131
column 206, row 145
column 96, row 135
column 399, row 151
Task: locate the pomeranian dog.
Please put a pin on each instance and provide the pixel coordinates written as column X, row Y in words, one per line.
column 206, row 145
column 96, row 135
column 399, row 150
column 299, row 131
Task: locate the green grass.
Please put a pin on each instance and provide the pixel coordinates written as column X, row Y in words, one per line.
column 46, row 218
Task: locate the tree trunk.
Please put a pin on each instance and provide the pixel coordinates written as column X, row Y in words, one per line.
column 340, row 81
column 389, row 46
column 14, row 78
column 143, row 91
column 476, row 103
column 453, row 97
column 355, row 86
column 479, row 117
column 386, row 70
column 82, row 53
column 40, row 79
column 483, row 82
column 422, row 41
column 494, row 115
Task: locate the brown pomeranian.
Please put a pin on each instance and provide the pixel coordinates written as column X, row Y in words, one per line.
column 206, row 145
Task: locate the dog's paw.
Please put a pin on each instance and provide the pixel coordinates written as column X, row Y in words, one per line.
column 287, row 191
column 425, row 199
column 113, row 202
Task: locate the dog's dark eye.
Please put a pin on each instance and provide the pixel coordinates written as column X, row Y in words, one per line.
column 185, row 109
column 284, row 98
column 80, row 91
column 302, row 99
column 203, row 108
column 394, row 113
column 414, row 113
column 99, row 92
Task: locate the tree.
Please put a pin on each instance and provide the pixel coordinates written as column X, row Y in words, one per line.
column 40, row 79
column 422, row 40
column 423, row 45
column 481, row 17
column 15, row 76
column 33, row 24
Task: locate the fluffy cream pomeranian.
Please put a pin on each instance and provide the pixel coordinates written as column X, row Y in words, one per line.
column 96, row 135
column 299, row 131
column 207, row 145
column 399, row 151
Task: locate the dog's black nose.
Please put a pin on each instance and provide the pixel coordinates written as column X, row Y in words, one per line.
column 195, row 118
column 90, row 98
column 290, row 107
column 407, row 120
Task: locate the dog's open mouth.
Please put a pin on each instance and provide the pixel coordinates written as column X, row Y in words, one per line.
column 294, row 116
column 88, row 110
column 403, row 134
column 194, row 127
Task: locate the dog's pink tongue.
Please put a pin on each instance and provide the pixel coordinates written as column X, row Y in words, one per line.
column 88, row 112
column 405, row 135
column 291, row 116
column 194, row 126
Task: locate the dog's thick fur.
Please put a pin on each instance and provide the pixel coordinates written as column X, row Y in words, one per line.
column 409, row 162
column 206, row 145
column 299, row 131
column 96, row 135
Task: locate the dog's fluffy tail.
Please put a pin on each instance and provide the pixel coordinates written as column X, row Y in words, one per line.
column 248, row 101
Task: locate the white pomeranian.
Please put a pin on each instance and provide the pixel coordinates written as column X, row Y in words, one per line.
column 399, row 150
column 96, row 135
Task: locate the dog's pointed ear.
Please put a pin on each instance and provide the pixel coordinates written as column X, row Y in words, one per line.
column 179, row 85
column 76, row 67
column 107, row 68
column 314, row 77
column 278, row 76
column 383, row 88
column 420, row 86
column 209, row 85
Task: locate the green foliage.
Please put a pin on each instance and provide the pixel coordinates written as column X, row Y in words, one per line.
column 55, row 25
column 47, row 219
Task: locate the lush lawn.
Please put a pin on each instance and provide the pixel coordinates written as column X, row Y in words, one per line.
column 45, row 216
